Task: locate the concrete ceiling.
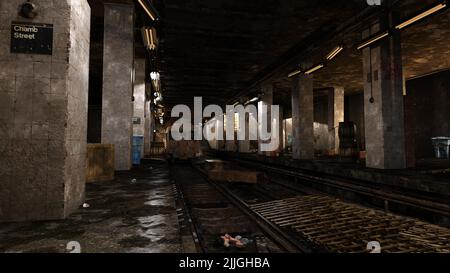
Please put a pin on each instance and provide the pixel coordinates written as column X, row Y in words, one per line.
column 425, row 49
column 218, row 49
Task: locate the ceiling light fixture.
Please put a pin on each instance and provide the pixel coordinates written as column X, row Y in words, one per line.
column 314, row 69
column 155, row 76
column 255, row 99
column 156, row 81
column 373, row 39
column 422, row 15
column 335, row 52
column 150, row 38
column 149, row 9
column 294, row 73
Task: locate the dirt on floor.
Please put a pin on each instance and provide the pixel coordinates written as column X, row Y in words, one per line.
column 134, row 213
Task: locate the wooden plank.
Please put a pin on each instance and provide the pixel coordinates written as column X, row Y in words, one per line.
column 100, row 162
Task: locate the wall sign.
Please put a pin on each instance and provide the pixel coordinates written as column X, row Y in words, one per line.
column 31, row 38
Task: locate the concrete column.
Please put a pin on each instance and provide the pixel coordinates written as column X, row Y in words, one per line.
column 267, row 100
column 148, row 132
column 43, row 115
column 280, row 131
column 335, row 116
column 150, row 121
column 383, row 94
column 230, row 146
column 410, row 129
column 244, row 145
column 118, row 61
column 302, row 117
column 139, row 100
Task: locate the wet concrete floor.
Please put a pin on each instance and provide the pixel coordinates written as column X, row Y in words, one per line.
column 124, row 216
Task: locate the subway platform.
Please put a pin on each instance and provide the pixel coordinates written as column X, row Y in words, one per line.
column 135, row 213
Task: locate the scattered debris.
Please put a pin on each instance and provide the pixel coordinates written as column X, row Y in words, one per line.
column 237, row 241
column 133, row 181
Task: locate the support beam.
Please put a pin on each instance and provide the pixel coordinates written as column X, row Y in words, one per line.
column 148, row 131
column 139, row 100
column 302, row 117
column 335, row 116
column 230, row 146
column 280, row 131
column 383, row 94
column 43, row 116
column 117, row 82
column 244, row 145
column 266, row 100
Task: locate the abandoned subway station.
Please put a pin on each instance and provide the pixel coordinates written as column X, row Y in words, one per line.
column 224, row 126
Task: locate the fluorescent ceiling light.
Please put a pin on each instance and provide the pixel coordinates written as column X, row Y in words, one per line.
column 335, row 52
column 155, row 76
column 422, row 15
column 148, row 9
column 294, row 73
column 315, row 68
column 373, row 39
column 150, row 38
column 255, row 99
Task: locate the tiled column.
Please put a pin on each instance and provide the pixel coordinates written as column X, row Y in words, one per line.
column 43, row 115
column 335, row 116
column 280, row 130
column 266, row 100
column 383, row 94
column 139, row 99
column 244, row 145
column 118, row 58
column 148, row 132
column 302, row 117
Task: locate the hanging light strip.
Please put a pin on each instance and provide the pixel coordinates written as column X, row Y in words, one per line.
column 373, row 39
column 294, row 73
column 149, row 9
column 314, row 69
column 422, row 15
column 335, row 52
column 150, row 38
column 155, row 77
column 255, row 99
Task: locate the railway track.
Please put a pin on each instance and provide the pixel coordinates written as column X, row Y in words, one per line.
column 434, row 209
column 298, row 219
column 207, row 214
